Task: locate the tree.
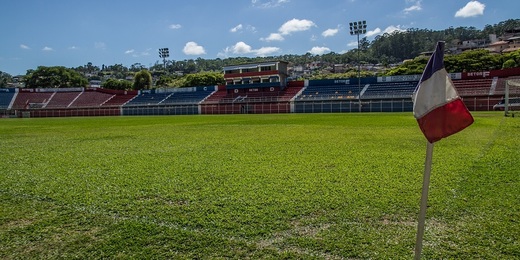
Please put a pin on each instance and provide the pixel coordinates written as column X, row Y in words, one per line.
column 509, row 64
column 165, row 80
column 203, row 79
column 137, row 67
column 54, row 77
column 142, row 80
column 119, row 84
column 4, row 79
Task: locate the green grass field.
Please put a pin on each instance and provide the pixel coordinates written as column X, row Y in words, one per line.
column 311, row 186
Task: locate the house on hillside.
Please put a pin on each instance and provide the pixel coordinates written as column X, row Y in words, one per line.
column 514, row 44
column 508, row 45
column 472, row 44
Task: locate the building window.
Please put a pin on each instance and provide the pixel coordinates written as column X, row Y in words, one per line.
column 231, row 71
column 249, row 70
column 267, row 68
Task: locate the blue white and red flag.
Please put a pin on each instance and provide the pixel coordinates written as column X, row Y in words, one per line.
column 437, row 106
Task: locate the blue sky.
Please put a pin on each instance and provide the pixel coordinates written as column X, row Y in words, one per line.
column 72, row 33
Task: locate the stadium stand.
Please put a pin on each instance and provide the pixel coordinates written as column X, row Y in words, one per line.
column 252, row 101
column 187, row 97
column 216, row 96
column 148, row 98
column 119, row 99
column 6, row 97
column 328, row 92
column 30, row 99
column 501, row 86
column 480, row 91
column 91, row 99
column 61, row 99
column 473, row 87
column 390, row 90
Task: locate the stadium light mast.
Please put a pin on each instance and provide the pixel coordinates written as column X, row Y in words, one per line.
column 357, row 28
column 163, row 54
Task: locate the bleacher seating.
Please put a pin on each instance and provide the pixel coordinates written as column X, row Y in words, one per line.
column 330, row 92
column 62, row 99
column 473, row 87
column 501, row 86
column 28, row 99
column 254, row 96
column 311, row 96
column 390, row 90
column 6, row 95
column 91, row 99
column 145, row 99
column 193, row 97
column 290, row 91
column 216, row 97
column 118, row 100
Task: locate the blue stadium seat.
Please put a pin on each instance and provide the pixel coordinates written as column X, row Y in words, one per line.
column 144, row 99
column 390, row 90
column 329, row 92
column 6, row 95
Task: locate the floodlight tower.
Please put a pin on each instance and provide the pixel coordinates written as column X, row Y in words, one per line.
column 163, row 54
column 357, row 28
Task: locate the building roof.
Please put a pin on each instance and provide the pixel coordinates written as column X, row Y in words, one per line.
column 511, row 49
column 253, row 65
column 499, row 43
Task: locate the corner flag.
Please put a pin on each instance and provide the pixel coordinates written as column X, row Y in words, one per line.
column 436, row 104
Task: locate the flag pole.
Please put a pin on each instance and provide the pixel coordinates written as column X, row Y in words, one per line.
column 424, row 200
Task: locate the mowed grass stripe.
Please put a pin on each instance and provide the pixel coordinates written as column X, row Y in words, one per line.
column 250, row 186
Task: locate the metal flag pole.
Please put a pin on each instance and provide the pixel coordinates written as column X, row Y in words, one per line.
column 424, row 200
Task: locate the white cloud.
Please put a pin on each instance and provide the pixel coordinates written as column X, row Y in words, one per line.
column 472, row 8
column 273, row 37
column 329, row 32
column 268, row 3
column 73, row 48
column 242, row 48
column 416, row 6
column 295, row 25
column 236, row 28
column 46, row 48
column 100, row 45
column 137, row 54
column 390, row 29
column 146, row 52
column 175, row 26
column 266, row 51
column 319, row 50
column 376, row 31
column 192, row 48
column 239, row 28
column 352, row 44
column 25, row 47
